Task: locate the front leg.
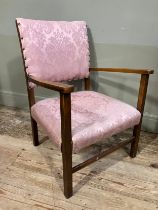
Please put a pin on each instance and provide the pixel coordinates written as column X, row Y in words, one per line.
column 140, row 107
column 66, row 146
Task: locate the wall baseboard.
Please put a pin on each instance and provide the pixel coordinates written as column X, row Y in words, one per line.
column 150, row 123
column 13, row 99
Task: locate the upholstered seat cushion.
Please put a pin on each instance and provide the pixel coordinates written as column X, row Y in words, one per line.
column 94, row 117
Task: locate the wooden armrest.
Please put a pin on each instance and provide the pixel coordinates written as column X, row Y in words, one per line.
column 124, row 70
column 57, row 86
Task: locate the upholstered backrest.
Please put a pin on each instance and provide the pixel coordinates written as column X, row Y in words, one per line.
column 55, row 50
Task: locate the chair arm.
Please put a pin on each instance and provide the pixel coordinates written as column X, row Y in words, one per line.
column 57, row 86
column 124, row 70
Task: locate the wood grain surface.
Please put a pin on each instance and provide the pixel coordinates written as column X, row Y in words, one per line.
column 31, row 177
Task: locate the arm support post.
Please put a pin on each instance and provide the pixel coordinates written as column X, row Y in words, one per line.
column 66, row 146
column 140, row 106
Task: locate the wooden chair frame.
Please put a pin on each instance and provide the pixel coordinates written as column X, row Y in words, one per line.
column 65, row 110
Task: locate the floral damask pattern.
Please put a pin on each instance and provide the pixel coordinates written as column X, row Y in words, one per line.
column 55, row 50
column 94, row 117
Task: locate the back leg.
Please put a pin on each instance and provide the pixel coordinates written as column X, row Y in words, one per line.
column 135, row 142
column 34, row 132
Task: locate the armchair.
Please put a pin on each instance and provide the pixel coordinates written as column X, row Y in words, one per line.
column 57, row 51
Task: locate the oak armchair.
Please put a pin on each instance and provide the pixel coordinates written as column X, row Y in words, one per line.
column 54, row 52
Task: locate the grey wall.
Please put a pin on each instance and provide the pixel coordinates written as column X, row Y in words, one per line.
column 122, row 33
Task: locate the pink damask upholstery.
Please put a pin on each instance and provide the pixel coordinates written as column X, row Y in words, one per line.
column 94, row 117
column 55, row 50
